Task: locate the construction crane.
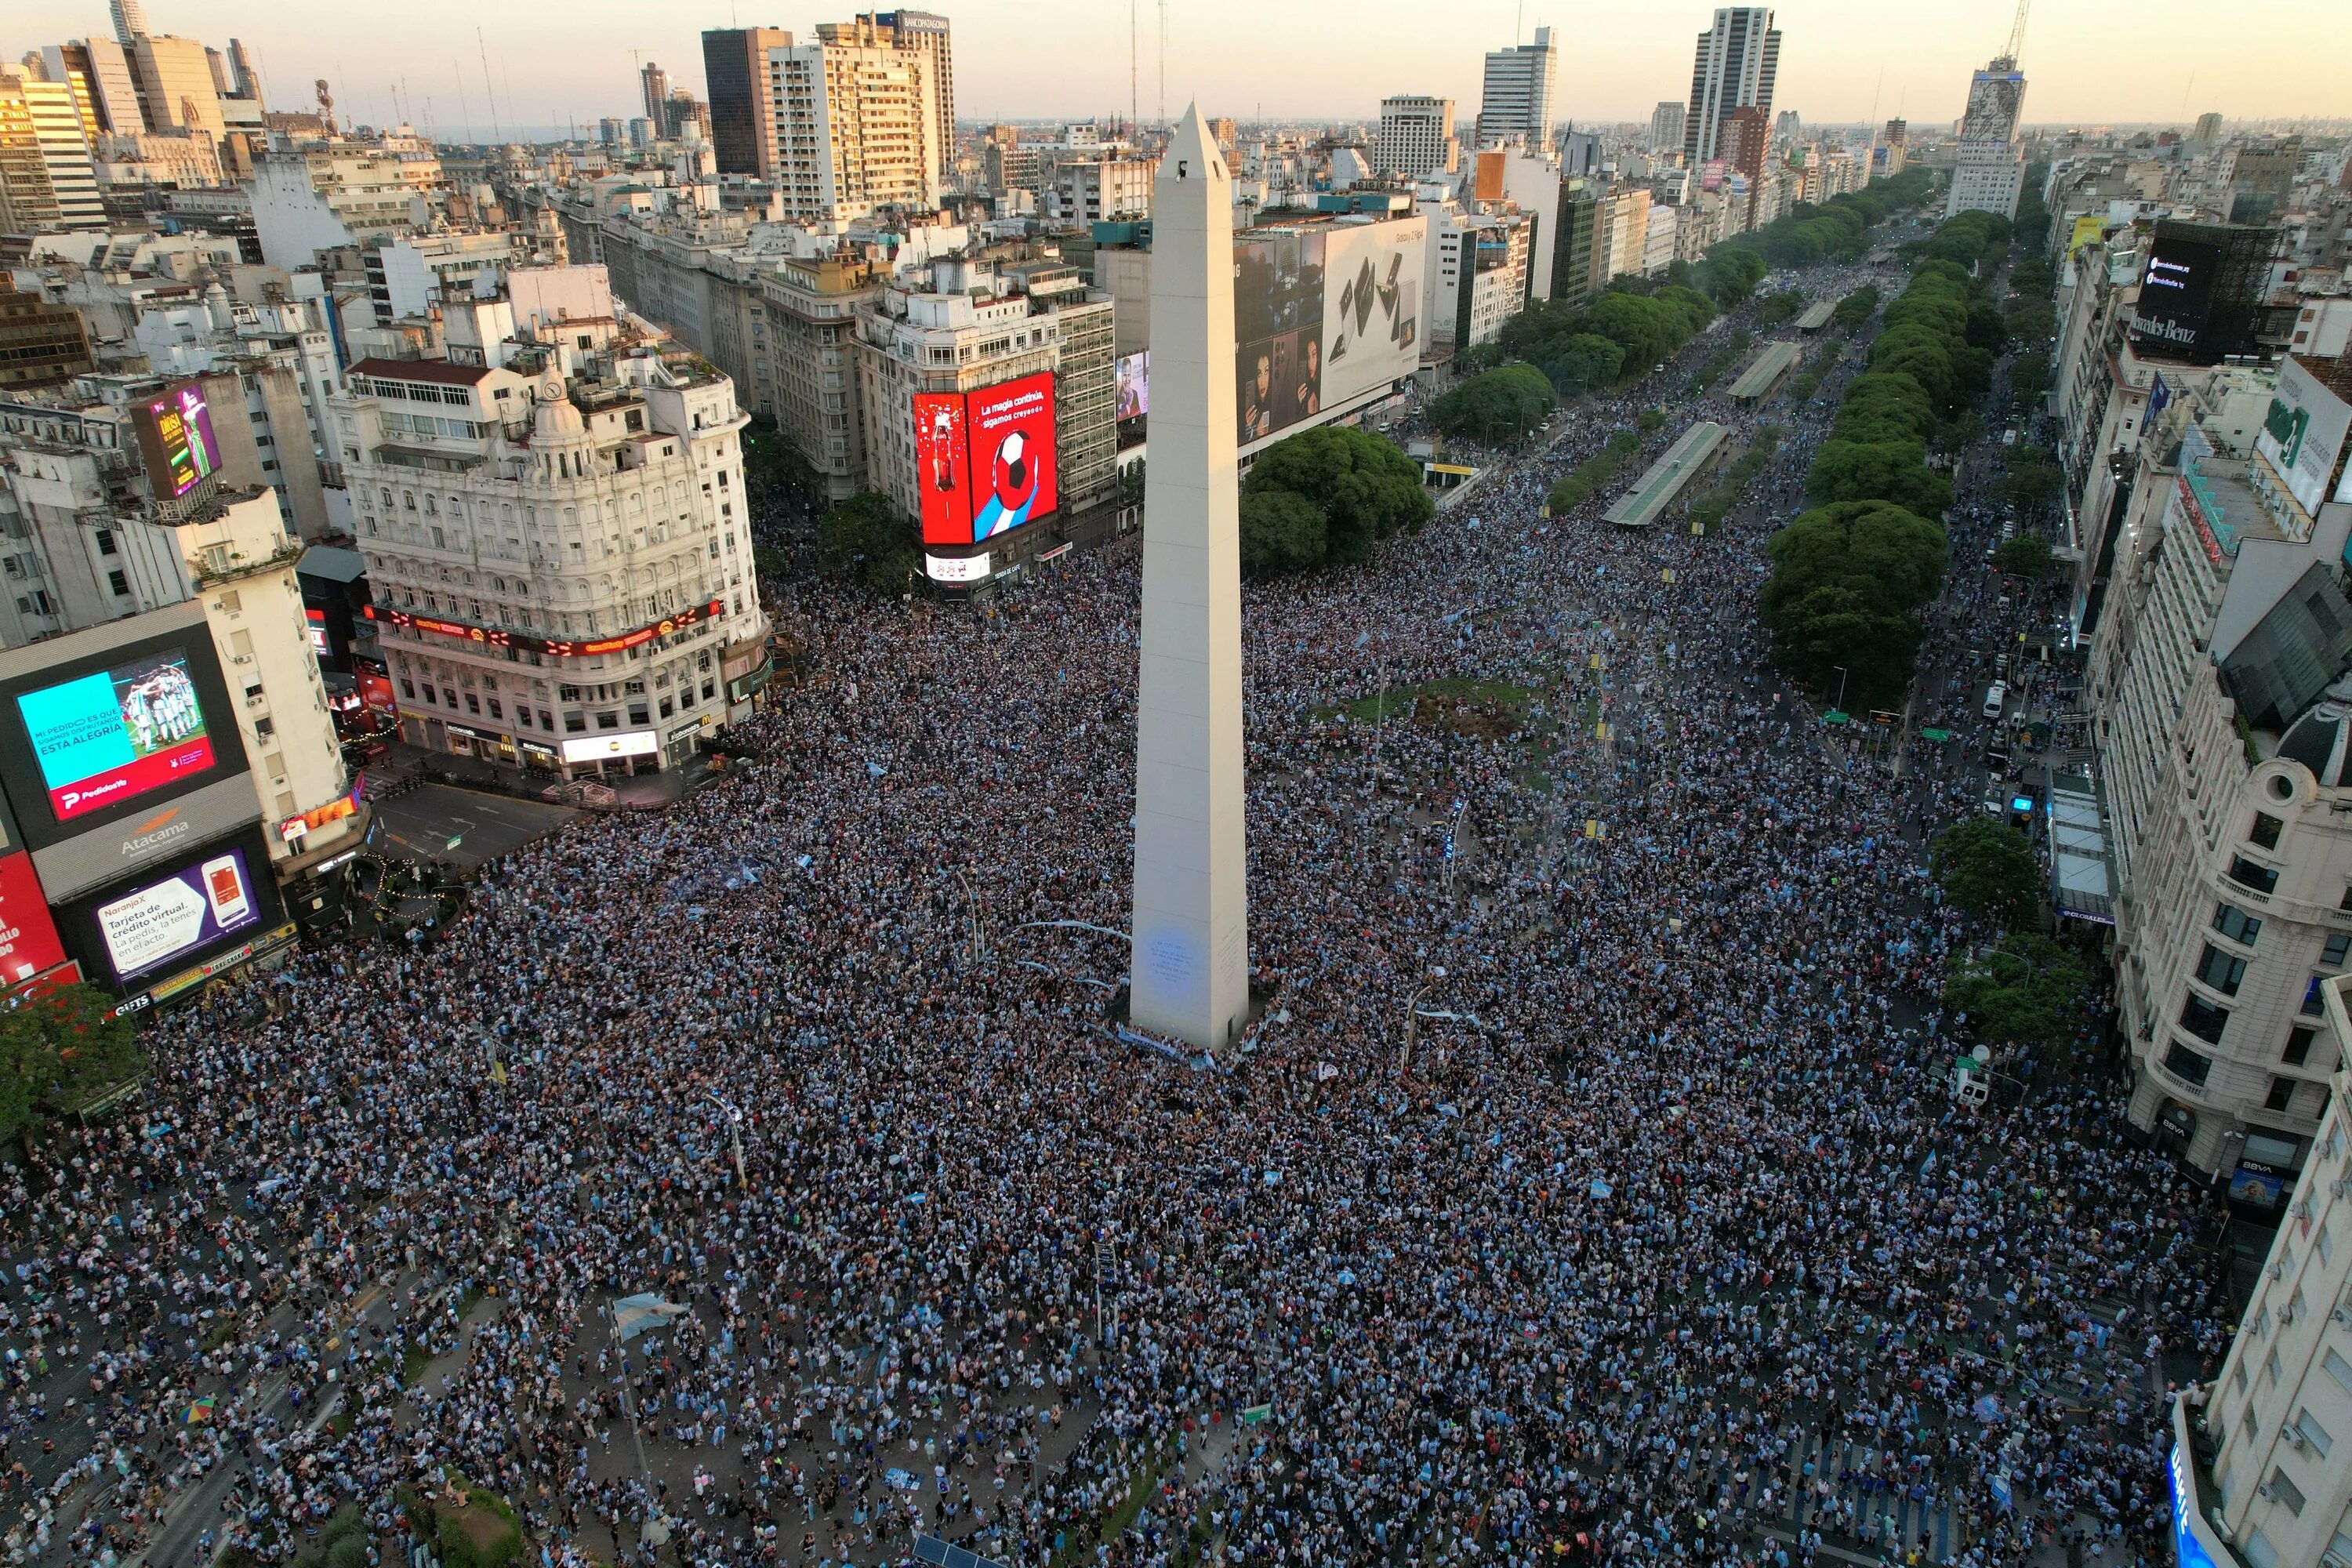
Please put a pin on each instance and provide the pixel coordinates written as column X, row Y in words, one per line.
column 2011, row 55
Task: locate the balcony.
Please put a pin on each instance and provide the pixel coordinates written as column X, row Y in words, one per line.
column 217, row 566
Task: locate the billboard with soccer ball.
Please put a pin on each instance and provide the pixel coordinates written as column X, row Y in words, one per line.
column 985, row 460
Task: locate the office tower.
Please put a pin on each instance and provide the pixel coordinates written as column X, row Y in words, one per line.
column 924, row 33
column 859, row 117
column 1415, row 138
column 217, row 63
column 69, row 63
column 1667, row 127
column 175, row 84
column 1191, row 969
column 41, row 127
column 654, row 82
column 243, row 77
column 2208, row 129
column 1737, row 60
column 735, row 76
column 1897, row 133
column 1990, row 170
column 1517, row 100
column 114, row 91
column 129, row 20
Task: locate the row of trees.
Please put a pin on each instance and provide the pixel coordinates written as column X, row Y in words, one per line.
column 1573, row 489
column 1810, row 234
column 1495, row 406
column 60, row 1049
column 1619, row 336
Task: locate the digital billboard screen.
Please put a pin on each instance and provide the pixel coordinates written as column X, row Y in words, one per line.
column 1011, row 434
column 943, row 466
column 150, row 925
column 1278, row 322
column 28, row 938
column 114, row 734
column 175, row 437
column 1134, row 399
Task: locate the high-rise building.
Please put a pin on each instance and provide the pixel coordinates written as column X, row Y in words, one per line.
column 113, row 95
column 40, row 343
column 244, row 79
column 854, row 120
column 1737, row 62
column 736, row 81
column 1990, row 170
column 2208, row 129
column 1516, row 100
column 217, row 63
column 129, row 20
column 926, row 34
column 654, row 82
column 41, row 124
column 1667, row 126
column 608, row 131
column 175, row 84
column 1415, row 138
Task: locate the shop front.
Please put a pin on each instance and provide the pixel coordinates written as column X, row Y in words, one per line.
column 682, row 741
column 486, row 745
column 610, row 756
column 2267, row 1167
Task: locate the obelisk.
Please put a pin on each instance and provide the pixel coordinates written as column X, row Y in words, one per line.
column 1190, row 970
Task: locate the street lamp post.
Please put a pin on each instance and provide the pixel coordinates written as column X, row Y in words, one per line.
column 1841, row 677
column 735, row 1134
column 1412, row 1012
column 972, row 904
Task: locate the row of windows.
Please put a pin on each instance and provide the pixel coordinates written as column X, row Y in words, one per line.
column 576, row 721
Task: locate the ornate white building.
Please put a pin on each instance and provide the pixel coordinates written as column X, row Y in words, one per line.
column 559, row 549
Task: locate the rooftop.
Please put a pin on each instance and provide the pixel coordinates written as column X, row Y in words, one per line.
column 438, row 371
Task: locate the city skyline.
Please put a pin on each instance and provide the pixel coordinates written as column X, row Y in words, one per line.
column 1844, row 62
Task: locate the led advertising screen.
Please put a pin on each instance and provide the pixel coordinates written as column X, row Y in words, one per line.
column 150, row 926
column 114, row 734
column 175, row 437
column 943, row 466
column 1371, row 318
column 1278, row 322
column 1011, row 431
column 1135, row 386
column 28, row 938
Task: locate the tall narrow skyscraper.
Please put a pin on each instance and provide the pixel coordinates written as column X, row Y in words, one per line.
column 1990, row 172
column 735, row 82
column 1667, row 126
column 1191, row 968
column 652, row 83
column 129, row 20
column 1738, row 59
column 1517, row 97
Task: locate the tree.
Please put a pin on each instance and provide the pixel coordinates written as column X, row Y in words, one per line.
column 1281, row 532
column 2031, row 482
column 772, row 462
column 865, row 538
column 1987, row 869
column 1854, row 309
column 1585, row 361
column 1367, row 489
column 2025, row 556
column 1478, row 357
column 1884, row 406
column 1497, row 406
column 1847, row 582
column 2028, row 991
column 59, row 1049
column 1651, row 421
column 1894, row 471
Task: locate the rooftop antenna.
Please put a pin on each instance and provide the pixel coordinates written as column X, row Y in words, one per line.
column 496, row 134
column 1163, row 71
column 459, row 72
column 1134, row 92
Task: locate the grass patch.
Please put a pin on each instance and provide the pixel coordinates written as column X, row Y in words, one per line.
column 1138, row 1493
column 1401, row 701
column 413, row 1363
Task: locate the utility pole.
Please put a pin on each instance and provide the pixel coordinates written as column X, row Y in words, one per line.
column 1163, row 72
column 1134, row 77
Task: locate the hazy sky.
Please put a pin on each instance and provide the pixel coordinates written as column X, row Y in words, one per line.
column 2086, row 61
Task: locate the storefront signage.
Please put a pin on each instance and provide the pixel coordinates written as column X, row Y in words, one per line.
column 82, row 862
column 335, row 810
column 605, row 748
column 219, row 964
column 552, row 648
column 691, row 727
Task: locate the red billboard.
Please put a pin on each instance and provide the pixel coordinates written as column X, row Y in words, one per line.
column 942, row 465
column 28, row 938
column 1011, row 434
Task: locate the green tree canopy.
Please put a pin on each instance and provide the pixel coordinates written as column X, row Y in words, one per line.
column 1883, row 405
column 1583, row 362
column 59, row 1049
column 2025, row 556
column 1366, row 487
column 1847, row 582
column 1854, row 309
column 2029, row 990
column 1894, row 471
column 1496, row 406
column 2031, row 482
column 1281, row 533
column 1987, row 869
column 865, row 538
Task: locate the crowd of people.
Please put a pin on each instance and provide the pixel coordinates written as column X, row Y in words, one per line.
column 1664, row 1240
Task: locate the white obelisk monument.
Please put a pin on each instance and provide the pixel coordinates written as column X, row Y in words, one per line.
column 1192, row 901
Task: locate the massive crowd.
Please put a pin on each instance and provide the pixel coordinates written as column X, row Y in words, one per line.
column 1665, row 1241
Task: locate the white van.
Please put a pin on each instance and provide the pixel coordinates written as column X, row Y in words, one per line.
column 1996, row 698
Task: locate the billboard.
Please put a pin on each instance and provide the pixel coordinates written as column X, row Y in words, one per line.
column 2089, row 229
column 28, row 938
column 1279, row 324
column 1371, row 328
column 174, row 428
column 2200, row 289
column 943, row 466
column 161, row 830
column 2303, row 434
column 553, row 647
column 1134, row 386
column 1010, row 433
column 2176, row 293
column 117, row 733
column 154, row 924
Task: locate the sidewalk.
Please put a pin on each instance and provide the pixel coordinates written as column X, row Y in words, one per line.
column 638, row 791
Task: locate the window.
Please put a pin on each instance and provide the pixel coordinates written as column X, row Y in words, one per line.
column 2314, row 1004
column 2298, row 1047
column 408, row 687
column 264, row 728
column 574, row 722
column 496, row 712
column 2204, row 1019
column 473, row 703
column 2338, row 950
column 2280, row 1095
column 608, row 720
column 2336, row 1367
column 2247, row 874
column 2260, row 1552
column 2270, row 1367
column 2186, row 1065
column 2220, row 970
column 106, row 541
column 2287, row 1491
column 2265, row 831
column 118, row 581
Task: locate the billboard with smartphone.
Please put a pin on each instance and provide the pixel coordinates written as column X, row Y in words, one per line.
column 156, row 922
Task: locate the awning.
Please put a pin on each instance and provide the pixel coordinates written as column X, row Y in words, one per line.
column 2080, row 883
